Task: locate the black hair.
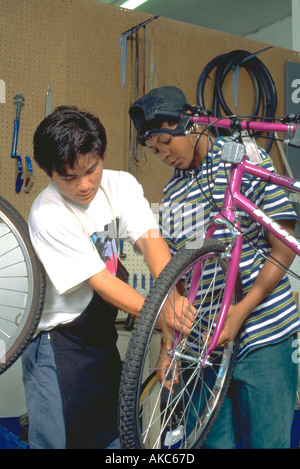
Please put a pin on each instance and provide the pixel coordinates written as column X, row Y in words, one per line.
column 66, row 134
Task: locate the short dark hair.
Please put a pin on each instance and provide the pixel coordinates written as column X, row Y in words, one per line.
column 64, row 135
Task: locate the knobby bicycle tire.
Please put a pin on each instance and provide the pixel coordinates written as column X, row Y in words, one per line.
column 22, row 286
column 150, row 417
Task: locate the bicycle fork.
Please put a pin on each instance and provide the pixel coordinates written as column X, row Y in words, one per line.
column 232, row 255
column 227, row 217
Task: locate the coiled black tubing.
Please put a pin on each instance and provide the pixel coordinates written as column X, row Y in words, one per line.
column 265, row 94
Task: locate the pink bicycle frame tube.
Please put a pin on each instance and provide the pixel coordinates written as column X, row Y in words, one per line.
column 227, row 213
column 233, row 198
column 245, row 204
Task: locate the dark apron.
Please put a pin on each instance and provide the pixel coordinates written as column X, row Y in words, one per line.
column 89, row 367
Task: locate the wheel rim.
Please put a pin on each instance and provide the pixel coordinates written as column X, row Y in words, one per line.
column 16, row 287
column 179, row 419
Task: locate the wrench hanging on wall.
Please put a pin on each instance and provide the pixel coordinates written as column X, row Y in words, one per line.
column 19, row 103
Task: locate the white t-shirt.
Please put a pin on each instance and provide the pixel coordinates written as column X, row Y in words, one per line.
column 65, row 249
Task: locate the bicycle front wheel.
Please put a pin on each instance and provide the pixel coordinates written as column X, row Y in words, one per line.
column 150, row 415
column 22, row 286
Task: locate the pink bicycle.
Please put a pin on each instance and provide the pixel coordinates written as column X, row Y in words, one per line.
column 181, row 417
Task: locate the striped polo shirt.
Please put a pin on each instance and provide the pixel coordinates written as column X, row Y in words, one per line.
column 186, row 209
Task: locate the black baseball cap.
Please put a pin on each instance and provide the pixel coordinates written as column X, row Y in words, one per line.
column 164, row 102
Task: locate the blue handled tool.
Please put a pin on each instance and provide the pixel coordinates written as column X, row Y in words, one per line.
column 19, row 103
column 28, row 181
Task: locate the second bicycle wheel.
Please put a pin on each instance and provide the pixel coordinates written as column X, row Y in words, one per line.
column 22, row 286
column 170, row 399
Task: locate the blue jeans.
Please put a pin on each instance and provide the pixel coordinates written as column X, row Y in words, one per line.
column 42, row 394
column 259, row 407
column 43, row 398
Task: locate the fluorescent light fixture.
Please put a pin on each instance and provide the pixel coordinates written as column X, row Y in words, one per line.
column 132, row 4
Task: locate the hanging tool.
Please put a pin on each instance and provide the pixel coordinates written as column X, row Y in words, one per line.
column 133, row 148
column 123, row 41
column 48, row 101
column 28, row 182
column 19, row 103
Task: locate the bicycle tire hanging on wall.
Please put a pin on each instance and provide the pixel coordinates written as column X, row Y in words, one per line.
column 265, row 94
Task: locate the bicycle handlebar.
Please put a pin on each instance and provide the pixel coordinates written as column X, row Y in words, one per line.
column 291, row 126
column 236, row 123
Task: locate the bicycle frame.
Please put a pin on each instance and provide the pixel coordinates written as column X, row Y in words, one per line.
column 234, row 199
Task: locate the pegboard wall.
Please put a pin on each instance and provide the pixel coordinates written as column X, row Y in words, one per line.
column 139, row 276
column 74, row 47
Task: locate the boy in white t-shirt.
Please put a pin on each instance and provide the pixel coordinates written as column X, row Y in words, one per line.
column 71, row 369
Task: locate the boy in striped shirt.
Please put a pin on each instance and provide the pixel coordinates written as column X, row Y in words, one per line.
column 260, row 404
